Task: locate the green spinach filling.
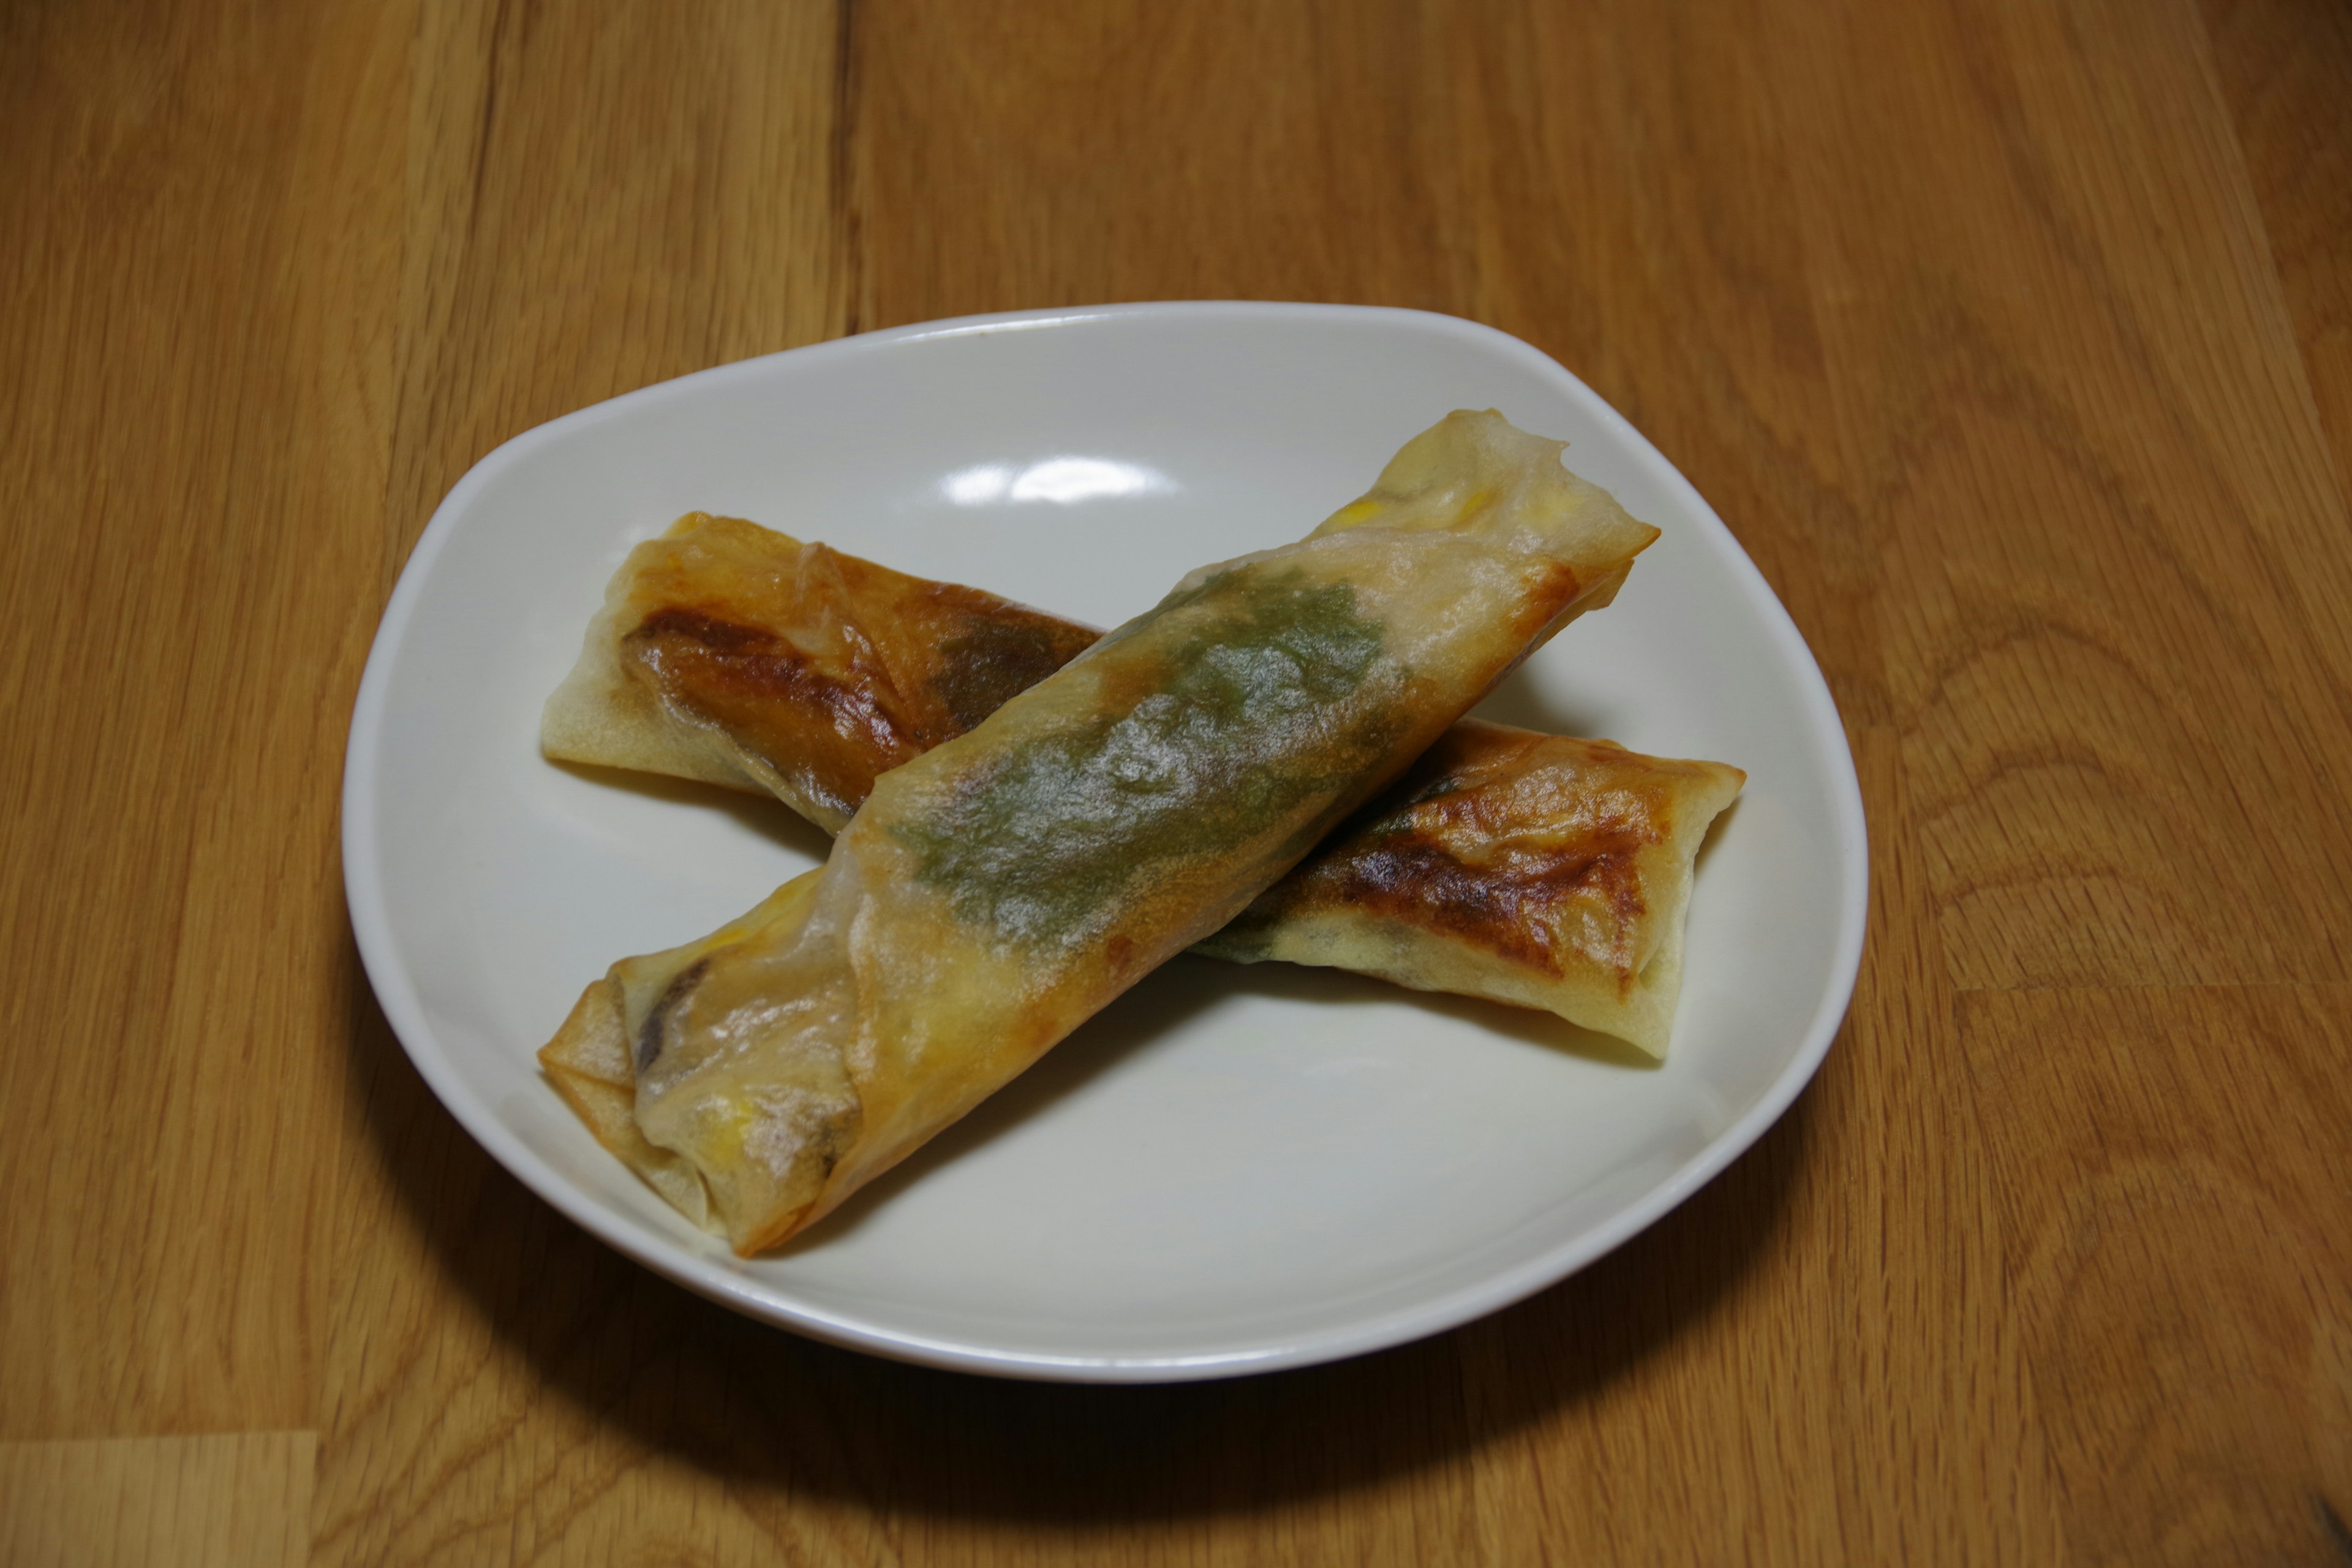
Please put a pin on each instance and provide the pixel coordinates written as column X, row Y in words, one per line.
column 1274, row 699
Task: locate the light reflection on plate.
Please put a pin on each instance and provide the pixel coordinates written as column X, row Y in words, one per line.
column 1065, row 481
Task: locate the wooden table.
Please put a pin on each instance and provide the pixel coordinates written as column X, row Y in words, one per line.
column 2013, row 339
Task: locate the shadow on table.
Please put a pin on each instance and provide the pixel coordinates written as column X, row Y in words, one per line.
column 786, row 1420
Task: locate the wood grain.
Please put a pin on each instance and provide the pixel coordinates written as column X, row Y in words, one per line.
column 190, row 461
column 609, row 199
column 2010, row 337
column 2171, row 1184
column 2282, row 65
column 241, row 1500
column 2055, row 360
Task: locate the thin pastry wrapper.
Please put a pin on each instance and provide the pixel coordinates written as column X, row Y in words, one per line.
column 997, row 890
column 1538, row 871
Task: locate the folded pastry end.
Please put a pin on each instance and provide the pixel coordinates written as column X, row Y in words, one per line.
column 588, row 1063
column 608, row 715
column 734, row 1154
column 1535, row 870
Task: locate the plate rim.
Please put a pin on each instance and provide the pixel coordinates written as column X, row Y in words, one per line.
column 396, row 994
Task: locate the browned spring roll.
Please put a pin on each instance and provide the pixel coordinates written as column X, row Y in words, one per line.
column 1536, row 871
column 731, row 654
column 996, row 891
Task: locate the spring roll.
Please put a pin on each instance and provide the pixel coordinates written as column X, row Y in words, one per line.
column 736, row 655
column 997, row 890
column 1538, row 871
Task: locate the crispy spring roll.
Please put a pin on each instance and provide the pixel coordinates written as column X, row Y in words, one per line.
column 731, row 654
column 1539, row 871
column 997, row 890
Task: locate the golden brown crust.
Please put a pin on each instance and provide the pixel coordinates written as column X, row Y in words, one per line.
column 1456, row 849
column 885, row 667
column 1540, row 871
column 771, row 701
column 733, row 654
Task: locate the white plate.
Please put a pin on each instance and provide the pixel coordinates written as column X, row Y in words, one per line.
column 1233, row 1169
